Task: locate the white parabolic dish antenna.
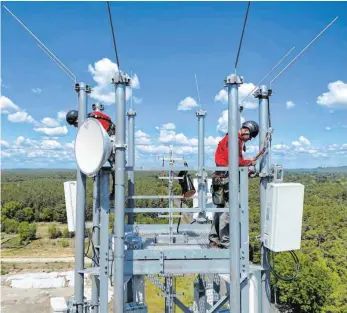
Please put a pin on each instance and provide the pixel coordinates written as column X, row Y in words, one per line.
column 93, row 146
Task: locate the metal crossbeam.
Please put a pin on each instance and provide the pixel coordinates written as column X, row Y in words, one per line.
column 219, row 304
column 167, row 169
column 208, row 266
column 154, row 197
column 181, row 305
column 182, row 210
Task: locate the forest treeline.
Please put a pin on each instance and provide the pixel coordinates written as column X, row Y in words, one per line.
column 321, row 285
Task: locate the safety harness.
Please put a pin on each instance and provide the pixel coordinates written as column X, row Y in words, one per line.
column 111, row 128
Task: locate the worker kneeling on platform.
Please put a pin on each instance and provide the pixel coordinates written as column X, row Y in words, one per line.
column 219, row 234
column 107, row 124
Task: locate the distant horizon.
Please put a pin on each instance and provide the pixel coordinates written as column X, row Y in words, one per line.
column 65, row 168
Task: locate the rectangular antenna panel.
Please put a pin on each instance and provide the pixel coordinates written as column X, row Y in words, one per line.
column 70, row 203
column 209, row 203
column 283, row 221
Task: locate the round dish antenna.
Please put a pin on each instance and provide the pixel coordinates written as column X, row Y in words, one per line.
column 93, row 146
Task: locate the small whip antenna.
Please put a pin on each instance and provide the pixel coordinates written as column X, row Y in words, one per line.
column 197, row 89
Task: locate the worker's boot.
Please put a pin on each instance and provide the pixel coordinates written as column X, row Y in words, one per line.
column 214, row 245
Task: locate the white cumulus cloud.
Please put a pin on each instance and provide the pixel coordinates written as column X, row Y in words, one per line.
column 70, row 145
column 54, row 131
column 36, row 90
column 212, row 141
column 21, row 117
column 142, row 138
column 19, row 140
column 50, row 144
column 187, row 104
column 223, row 122
column 290, row 104
column 102, row 72
column 336, row 97
column 244, row 90
column 135, row 83
column 153, row 149
column 61, row 115
column 304, row 140
column 7, row 105
column 4, row 143
column 168, row 126
column 50, row 122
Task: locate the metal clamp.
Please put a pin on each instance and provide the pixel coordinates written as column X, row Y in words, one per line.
column 201, row 113
column 120, row 147
column 233, row 79
column 87, row 88
column 262, row 94
column 121, row 78
column 131, row 112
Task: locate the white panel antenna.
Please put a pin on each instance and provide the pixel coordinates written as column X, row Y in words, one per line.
column 70, row 189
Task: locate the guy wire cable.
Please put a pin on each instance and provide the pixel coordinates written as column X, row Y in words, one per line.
column 44, row 47
column 268, row 73
column 303, row 50
column 53, row 59
column 113, row 36
column 243, row 31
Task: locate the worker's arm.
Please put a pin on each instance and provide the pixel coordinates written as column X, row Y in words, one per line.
column 243, row 162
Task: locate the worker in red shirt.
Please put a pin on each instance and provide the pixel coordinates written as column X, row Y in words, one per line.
column 105, row 121
column 219, row 234
column 249, row 130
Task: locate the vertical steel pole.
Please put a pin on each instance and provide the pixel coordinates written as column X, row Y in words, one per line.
column 82, row 91
column 121, row 81
column 233, row 83
column 131, row 162
column 263, row 95
column 104, row 239
column 201, row 163
column 244, row 239
column 96, row 242
column 131, row 183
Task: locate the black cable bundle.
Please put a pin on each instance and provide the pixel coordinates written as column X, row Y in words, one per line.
column 279, row 277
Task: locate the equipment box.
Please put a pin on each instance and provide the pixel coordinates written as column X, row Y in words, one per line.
column 283, row 220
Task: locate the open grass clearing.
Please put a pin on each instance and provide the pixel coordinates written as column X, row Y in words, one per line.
column 14, row 268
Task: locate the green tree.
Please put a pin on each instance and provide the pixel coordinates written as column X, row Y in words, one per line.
column 47, row 215
column 27, row 231
column 59, row 213
column 10, row 209
column 54, row 232
column 29, row 214
column 19, row 216
column 10, row 226
column 312, row 288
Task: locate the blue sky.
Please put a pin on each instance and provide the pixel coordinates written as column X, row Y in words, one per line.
column 164, row 44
